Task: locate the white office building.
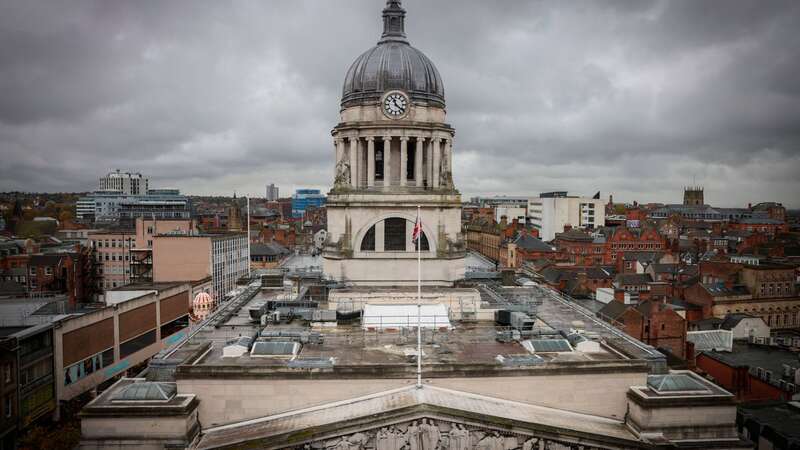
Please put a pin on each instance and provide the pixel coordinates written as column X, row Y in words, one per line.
column 551, row 211
column 126, row 182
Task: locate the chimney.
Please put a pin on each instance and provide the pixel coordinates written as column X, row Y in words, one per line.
column 567, row 227
column 503, row 221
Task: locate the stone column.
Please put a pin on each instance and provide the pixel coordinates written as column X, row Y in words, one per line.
column 387, row 160
column 370, row 161
column 403, row 160
column 361, row 180
column 437, row 161
column 354, row 162
column 429, row 162
column 448, row 157
column 418, row 155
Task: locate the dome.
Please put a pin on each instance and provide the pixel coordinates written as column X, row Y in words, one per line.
column 393, row 64
column 202, row 300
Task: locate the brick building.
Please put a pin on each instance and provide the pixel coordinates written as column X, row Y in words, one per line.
column 526, row 246
column 651, row 322
column 69, row 273
column 485, row 236
column 754, row 371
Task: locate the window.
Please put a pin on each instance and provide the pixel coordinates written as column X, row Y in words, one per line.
column 48, row 270
column 410, row 162
column 368, row 243
column 32, row 270
column 88, row 366
column 175, row 326
column 394, row 235
column 7, row 373
column 134, row 345
column 378, row 164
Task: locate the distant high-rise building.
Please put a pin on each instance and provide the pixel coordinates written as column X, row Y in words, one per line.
column 303, row 198
column 127, row 183
column 272, row 192
column 693, row 196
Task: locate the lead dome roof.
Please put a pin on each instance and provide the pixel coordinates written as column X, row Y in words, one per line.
column 393, row 64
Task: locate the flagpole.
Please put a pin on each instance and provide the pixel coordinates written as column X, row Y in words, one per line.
column 419, row 302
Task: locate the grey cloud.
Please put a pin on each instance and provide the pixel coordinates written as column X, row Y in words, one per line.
column 630, row 98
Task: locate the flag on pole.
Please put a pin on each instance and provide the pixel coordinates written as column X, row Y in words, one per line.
column 417, row 229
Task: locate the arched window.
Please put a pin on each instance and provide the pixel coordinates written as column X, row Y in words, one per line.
column 394, row 234
column 423, row 242
column 368, row 243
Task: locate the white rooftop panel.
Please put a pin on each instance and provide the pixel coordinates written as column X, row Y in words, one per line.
column 405, row 316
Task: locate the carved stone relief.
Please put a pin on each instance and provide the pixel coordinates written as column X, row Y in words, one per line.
column 432, row 434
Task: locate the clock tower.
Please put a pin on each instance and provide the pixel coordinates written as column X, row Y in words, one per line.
column 393, row 153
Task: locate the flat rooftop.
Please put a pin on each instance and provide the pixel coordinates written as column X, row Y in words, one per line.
column 468, row 344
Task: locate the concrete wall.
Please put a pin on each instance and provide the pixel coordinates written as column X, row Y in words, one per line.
column 181, row 258
column 225, row 401
column 751, row 327
column 114, row 297
column 120, row 364
column 597, row 394
column 686, row 422
column 456, row 300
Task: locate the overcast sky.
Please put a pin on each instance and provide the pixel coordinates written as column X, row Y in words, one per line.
column 631, row 98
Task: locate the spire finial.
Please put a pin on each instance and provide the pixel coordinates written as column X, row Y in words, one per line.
column 394, row 17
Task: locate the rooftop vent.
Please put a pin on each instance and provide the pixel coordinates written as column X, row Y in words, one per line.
column 146, row 391
column 520, row 360
column 273, row 349
column 547, row 345
column 676, row 383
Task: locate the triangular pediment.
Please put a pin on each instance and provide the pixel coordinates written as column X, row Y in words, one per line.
column 453, row 419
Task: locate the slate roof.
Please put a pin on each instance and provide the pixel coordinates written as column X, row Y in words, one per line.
column 11, row 288
column 269, row 249
column 47, row 259
column 720, row 290
column 613, row 310
column 626, row 279
column 776, row 418
column 712, row 323
column 530, row 243
column 733, row 319
column 575, row 235
column 757, row 221
column 645, row 257
column 665, row 268
column 753, row 356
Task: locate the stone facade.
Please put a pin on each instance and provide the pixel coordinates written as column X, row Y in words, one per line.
column 393, row 163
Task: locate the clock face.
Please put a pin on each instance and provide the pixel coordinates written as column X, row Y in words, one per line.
column 395, row 105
